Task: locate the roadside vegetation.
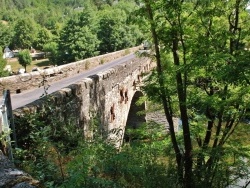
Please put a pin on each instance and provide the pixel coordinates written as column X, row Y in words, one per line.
column 54, row 152
column 58, row 156
column 3, row 63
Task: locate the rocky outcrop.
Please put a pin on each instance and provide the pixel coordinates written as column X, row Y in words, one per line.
column 11, row 177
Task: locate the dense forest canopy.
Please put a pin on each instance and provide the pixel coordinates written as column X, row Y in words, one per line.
column 81, row 28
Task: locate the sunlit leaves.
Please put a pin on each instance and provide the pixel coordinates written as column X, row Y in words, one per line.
column 77, row 39
column 6, row 33
column 3, row 63
column 116, row 28
column 24, row 58
column 25, row 33
column 209, row 72
column 43, row 36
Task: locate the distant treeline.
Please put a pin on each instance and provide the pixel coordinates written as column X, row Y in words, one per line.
column 69, row 29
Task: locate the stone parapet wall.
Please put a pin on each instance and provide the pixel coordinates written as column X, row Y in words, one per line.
column 89, row 88
column 94, row 95
column 27, row 81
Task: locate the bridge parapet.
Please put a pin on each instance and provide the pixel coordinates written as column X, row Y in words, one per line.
column 26, row 81
column 106, row 96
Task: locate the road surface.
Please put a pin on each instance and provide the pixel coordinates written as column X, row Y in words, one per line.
column 29, row 96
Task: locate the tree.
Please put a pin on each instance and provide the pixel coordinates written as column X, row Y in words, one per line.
column 52, row 51
column 202, row 70
column 116, row 31
column 24, row 58
column 102, row 3
column 43, row 37
column 6, row 34
column 78, row 39
column 24, row 34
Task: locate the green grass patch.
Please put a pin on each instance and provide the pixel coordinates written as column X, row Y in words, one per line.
column 36, row 63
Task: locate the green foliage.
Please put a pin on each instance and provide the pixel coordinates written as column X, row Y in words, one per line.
column 78, row 39
column 76, row 26
column 116, row 32
column 3, row 63
column 24, row 58
column 45, row 140
column 25, row 34
column 43, row 37
column 51, row 49
column 202, row 77
column 97, row 164
column 6, row 34
column 101, row 3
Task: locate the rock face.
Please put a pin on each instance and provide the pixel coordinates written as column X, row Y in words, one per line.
column 10, row 177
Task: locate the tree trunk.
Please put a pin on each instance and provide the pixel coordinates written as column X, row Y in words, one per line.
column 164, row 97
column 181, row 91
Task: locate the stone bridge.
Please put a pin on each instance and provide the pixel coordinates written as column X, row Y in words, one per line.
column 108, row 98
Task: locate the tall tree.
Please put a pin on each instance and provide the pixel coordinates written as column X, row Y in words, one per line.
column 43, row 36
column 52, row 51
column 202, row 70
column 78, row 39
column 6, row 34
column 116, row 30
column 25, row 33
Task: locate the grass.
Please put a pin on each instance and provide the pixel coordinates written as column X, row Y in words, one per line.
column 36, row 63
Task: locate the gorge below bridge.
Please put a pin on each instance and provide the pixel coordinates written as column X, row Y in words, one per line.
column 107, row 98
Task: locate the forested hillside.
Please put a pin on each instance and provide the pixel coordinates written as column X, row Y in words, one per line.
column 47, row 12
column 69, row 29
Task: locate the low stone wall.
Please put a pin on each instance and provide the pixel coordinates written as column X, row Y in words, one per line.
column 22, row 82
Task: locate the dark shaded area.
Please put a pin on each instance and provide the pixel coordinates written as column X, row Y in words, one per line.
column 43, row 63
column 135, row 117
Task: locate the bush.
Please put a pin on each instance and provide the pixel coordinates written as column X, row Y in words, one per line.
column 45, row 141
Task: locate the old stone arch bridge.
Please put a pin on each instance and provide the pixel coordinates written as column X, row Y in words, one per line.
column 107, row 99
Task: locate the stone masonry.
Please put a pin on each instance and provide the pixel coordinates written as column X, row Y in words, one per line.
column 106, row 95
column 21, row 82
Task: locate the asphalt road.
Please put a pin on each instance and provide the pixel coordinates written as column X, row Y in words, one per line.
column 29, row 96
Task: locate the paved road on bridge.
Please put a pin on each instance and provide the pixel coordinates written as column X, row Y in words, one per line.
column 29, row 96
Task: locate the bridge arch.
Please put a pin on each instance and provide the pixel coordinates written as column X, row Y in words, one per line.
column 135, row 116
